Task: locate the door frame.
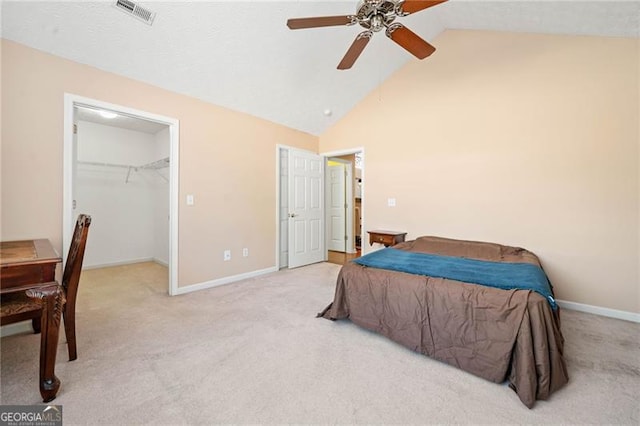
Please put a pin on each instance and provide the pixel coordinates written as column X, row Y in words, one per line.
column 68, row 220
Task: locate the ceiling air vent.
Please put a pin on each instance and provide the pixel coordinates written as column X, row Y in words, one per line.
column 135, row 10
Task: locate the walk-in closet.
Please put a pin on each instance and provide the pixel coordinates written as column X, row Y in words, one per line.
column 121, row 179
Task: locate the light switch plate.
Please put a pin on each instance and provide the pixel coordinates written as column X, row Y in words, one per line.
column 391, row 202
column 190, row 199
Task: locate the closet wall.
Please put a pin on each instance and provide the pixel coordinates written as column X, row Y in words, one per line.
column 122, row 182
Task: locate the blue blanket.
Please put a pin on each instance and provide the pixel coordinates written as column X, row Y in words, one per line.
column 506, row 276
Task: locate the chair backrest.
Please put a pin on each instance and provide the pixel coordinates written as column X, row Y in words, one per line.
column 73, row 265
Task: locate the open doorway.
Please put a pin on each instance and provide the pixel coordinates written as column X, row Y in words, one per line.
column 344, row 205
column 121, row 167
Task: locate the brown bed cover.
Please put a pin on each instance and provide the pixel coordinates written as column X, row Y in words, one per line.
column 495, row 334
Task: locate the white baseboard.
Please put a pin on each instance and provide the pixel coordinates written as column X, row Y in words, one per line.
column 16, row 328
column 225, row 280
column 598, row 310
column 160, row 262
column 121, row 263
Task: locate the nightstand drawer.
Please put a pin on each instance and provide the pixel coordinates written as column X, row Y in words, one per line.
column 382, row 239
column 387, row 238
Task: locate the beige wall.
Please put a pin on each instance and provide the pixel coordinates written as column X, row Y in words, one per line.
column 227, row 160
column 526, row 140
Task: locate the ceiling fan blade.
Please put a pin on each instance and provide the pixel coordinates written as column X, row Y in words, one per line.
column 412, row 6
column 355, row 50
column 320, row 21
column 409, row 41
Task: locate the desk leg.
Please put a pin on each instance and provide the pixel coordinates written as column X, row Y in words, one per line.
column 51, row 299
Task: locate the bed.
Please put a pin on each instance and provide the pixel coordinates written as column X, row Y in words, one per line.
column 505, row 333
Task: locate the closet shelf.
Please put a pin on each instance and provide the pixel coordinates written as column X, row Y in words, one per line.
column 154, row 165
column 160, row 164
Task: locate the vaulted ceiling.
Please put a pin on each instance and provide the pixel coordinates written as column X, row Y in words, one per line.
column 241, row 55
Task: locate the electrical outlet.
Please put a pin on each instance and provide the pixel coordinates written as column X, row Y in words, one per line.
column 245, row 252
column 227, row 255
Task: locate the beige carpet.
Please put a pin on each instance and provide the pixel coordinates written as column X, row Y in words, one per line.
column 253, row 352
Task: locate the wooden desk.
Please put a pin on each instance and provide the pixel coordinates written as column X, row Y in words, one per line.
column 388, row 238
column 27, row 262
column 30, row 266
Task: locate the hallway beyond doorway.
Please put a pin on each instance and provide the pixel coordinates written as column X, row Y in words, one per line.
column 342, row 258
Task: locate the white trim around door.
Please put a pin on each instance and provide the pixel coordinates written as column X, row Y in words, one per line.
column 71, row 101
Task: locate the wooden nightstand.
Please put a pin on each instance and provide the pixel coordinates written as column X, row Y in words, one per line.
column 388, row 238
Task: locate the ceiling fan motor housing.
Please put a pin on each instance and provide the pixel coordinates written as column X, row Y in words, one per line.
column 375, row 15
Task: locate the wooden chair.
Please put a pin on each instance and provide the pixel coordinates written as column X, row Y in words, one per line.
column 71, row 279
column 44, row 304
column 47, row 300
column 19, row 307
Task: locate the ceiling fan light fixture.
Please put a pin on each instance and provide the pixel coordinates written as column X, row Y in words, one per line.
column 377, row 22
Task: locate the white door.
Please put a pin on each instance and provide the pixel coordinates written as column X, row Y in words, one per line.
column 306, row 200
column 283, row 208
column 336, row 206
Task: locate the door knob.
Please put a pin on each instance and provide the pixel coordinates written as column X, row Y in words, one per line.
column 292, row 215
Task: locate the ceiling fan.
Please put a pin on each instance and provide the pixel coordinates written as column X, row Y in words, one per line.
column 374, row 15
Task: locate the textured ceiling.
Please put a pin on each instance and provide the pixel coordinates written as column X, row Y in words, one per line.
column 242, row 56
